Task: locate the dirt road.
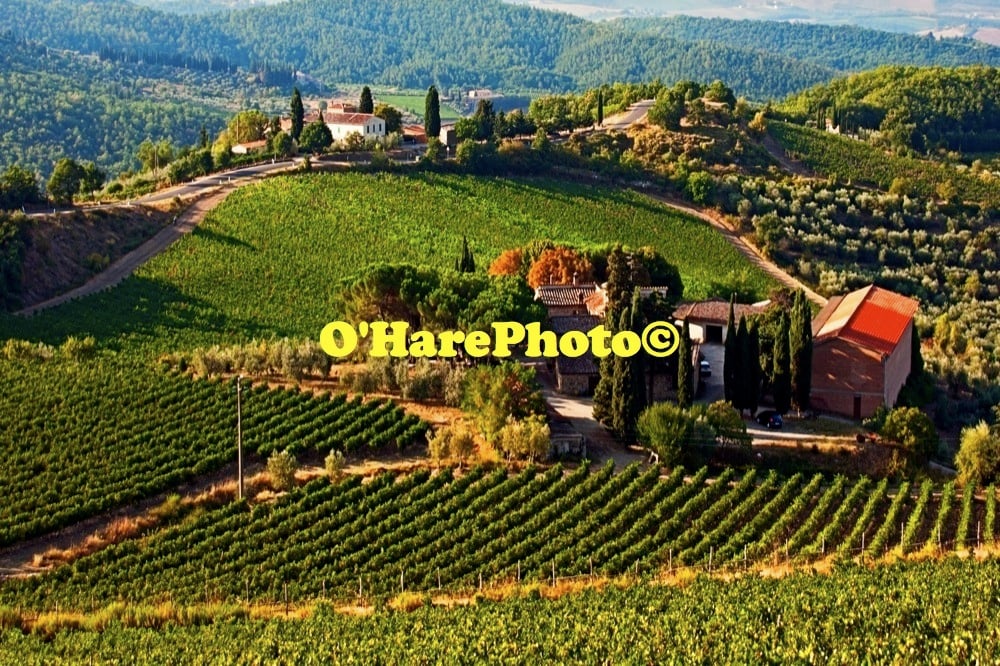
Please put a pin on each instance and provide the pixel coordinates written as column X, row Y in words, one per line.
column 745, row 248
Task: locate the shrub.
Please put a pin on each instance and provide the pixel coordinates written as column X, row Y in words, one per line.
column 913, row 430
column 281, row 467
column 978, row 458
column 665, row 429
column 528, row 438
column 455, row 441
column 334, row 464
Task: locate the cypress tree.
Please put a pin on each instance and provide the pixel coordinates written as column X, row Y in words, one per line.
column 730, row 360
column 619, row 292
column 753, row 366
column 600, row 108
column 620, row 284
column 685, row 376
column 432, row 113
column 741, row 377
column 640, row 361
column 466, row 263
column 298, row 114
column 366, row 104
column 203, row 138
column 782, row 384
column 800, row 351
column 623, row 391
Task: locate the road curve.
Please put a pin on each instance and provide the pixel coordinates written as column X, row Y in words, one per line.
column 210, row 190
column 749, row 251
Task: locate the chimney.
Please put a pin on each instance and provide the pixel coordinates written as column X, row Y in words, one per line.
column 574, row 277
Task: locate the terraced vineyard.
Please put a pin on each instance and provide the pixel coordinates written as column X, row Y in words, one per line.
column 96, row 436
column 423, row 531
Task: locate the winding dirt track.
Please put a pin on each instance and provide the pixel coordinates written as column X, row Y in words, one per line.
column 745, row 248
column 128, row 263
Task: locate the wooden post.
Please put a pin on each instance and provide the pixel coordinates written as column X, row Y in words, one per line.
column 711, row 555
column 360, row 593
column 553, row 573
column 285, row 587
column 670, row 560
column 978, row 525
column 480, row 581
column 519, row 571
column 439, row 579
column 401, row 587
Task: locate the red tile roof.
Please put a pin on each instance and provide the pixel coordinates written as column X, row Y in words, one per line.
column 872, row 317
column 346, row 118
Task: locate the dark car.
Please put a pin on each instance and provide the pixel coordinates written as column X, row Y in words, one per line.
column 770, row 419
column 706, row 368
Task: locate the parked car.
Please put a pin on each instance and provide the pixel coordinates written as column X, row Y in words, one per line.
column 705, row 368
column 770, row 419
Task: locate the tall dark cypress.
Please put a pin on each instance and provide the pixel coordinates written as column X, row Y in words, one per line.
column 298, row 114
column 623, row 391
column 600, row 108
column 685, row 375
column 800, row 351
column 730, row 360
column 753, row 366
column 432, row 113
column 781, row 387
column 366, row 104
column 741, row 383
column 465, row 263
column 640, row 361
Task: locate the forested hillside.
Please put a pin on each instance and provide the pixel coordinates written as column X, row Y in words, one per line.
column 56, row 105
column 923, row 108
column 414, row 43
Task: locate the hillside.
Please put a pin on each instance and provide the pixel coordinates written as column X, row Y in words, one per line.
column 926, row 108
column 57, row 104
column 487, row 43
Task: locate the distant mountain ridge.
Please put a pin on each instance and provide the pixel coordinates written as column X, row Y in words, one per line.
column 466, row 43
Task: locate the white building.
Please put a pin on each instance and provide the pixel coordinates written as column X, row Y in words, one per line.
column 344, row 124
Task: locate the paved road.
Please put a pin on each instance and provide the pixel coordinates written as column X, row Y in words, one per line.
column 623, row 120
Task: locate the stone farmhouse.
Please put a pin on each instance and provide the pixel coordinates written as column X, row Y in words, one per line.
column 861, row 351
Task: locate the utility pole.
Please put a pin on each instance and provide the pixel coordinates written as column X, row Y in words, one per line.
column 239, row 438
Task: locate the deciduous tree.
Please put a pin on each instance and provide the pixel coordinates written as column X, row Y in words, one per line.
column 560, row 265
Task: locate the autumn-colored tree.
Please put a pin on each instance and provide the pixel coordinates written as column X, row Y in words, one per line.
column 560, row 265
column 508, row 263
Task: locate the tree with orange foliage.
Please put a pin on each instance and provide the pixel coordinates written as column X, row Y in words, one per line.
column 508, row 263
column 560, row 265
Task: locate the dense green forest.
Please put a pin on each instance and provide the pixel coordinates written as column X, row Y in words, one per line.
column 57, row 104
column 924, row 108
column 414, row 43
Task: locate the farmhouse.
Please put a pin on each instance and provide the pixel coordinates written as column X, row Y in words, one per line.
column 343, row 125
column 575, row 376
column 707, row 320
column 566, row 300
column 249, row 147
column 581, row 307
column 861, row 351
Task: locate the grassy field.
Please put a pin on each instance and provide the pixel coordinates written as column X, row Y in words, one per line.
column 414, row 103
column 267, row 261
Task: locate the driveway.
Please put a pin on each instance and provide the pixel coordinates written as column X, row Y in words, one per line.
column 578, row 412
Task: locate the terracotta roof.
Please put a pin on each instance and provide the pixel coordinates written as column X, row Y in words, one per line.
column 579, row 323
column 563, row 294
column 346, row 118
column 872, row 317
column 716, row 311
